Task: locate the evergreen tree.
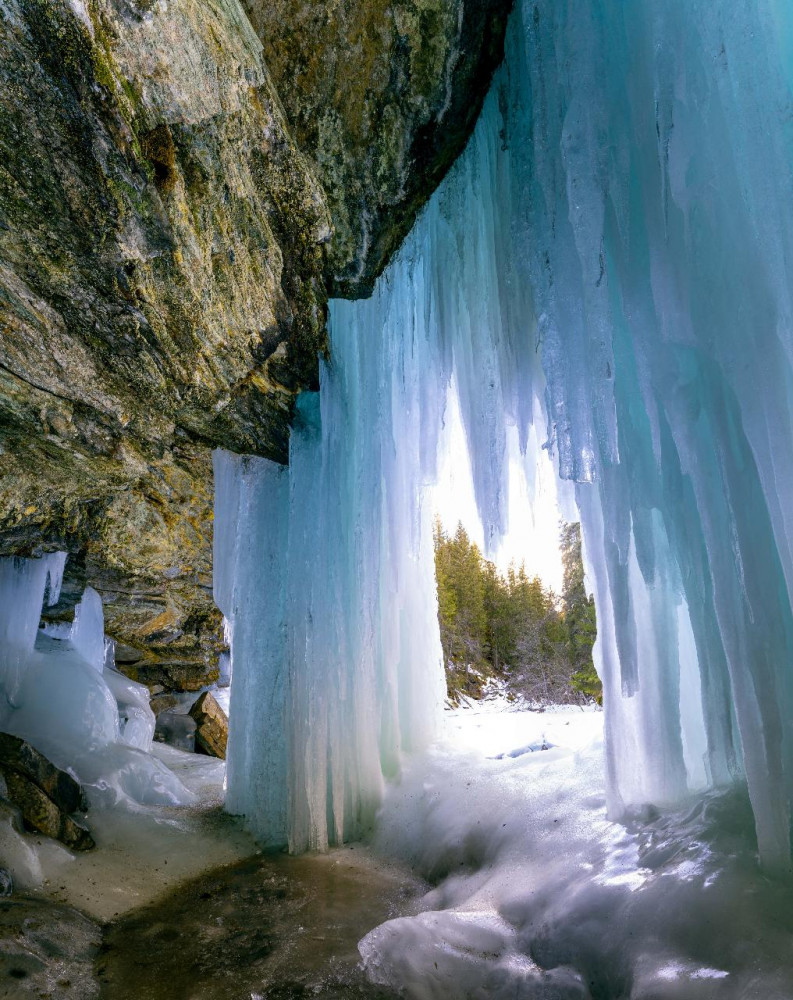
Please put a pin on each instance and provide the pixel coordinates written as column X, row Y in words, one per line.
column 511, row 626
column 579, row 612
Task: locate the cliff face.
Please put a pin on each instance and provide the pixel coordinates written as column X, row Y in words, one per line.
column 382, row 96
column 167, row 238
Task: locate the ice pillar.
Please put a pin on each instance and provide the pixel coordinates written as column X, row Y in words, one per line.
column 629, row 185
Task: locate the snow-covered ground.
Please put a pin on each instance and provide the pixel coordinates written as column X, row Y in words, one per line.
column 538, row 895
column 496, row 726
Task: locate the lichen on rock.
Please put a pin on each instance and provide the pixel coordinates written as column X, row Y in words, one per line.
column 382, row 95
column 161, row 239
column 178, row 194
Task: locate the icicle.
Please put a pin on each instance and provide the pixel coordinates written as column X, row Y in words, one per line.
column 87, row 634
column 628, row 184
column 58, row 694
column 660, row 242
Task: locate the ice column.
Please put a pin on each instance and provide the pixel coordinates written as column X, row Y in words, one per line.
column 659, row 182
column 629, row 184
column 325, row 570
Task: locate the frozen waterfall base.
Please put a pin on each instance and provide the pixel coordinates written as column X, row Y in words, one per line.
column 538, row 896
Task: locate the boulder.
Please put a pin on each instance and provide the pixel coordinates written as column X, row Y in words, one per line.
column 212, row 726
column 19, row 757
column 41, row 813
column 43, row 793
column 176, row 730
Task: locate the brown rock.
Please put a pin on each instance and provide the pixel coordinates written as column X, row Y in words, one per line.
column 163, row 702
column 180, row 186
column 41, row 813
column 382, row 95
column 212, row 726
column 19, row 757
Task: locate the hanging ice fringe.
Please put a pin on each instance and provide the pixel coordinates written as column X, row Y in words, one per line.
column 631, row 175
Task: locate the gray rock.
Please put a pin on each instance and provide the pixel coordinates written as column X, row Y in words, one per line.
column 177, row 730
column 47, row 950
column 6, row 882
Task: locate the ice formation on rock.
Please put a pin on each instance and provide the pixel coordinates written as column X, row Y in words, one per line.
column 629, row 185
column 325, row 571
column 657, row 185
column 57, row 692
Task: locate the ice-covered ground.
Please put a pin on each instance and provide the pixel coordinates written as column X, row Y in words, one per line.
column 140, row 852
column 538, row 895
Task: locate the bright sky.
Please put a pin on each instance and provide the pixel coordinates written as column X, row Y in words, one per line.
column 533, row 532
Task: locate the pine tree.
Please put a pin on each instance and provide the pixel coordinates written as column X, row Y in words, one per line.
column 512, row 627
column 579, row 610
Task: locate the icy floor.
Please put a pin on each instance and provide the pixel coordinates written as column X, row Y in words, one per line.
column 142, row 853
column 537, row 895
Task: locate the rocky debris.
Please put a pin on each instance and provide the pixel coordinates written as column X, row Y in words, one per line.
column 177, row 730
column 47, row 950
column 382, row 95
column 45, row 795
column 212, row 726
column 6, row 883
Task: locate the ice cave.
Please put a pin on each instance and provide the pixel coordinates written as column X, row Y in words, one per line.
column 280, row 290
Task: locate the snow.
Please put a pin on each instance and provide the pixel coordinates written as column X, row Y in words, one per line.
column 536, row 893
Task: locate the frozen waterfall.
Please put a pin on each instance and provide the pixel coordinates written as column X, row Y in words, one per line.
column 629, row 185
column 60, row 692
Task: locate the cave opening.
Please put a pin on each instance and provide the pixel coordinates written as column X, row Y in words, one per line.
column 592, row 308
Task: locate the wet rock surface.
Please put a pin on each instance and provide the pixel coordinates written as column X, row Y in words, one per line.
column 46, row 951
column 272, row 926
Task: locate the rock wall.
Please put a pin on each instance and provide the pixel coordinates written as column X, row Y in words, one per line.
column 168, row 236
column 382, row 95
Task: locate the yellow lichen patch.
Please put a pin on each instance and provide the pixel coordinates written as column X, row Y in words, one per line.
column 167, row 621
